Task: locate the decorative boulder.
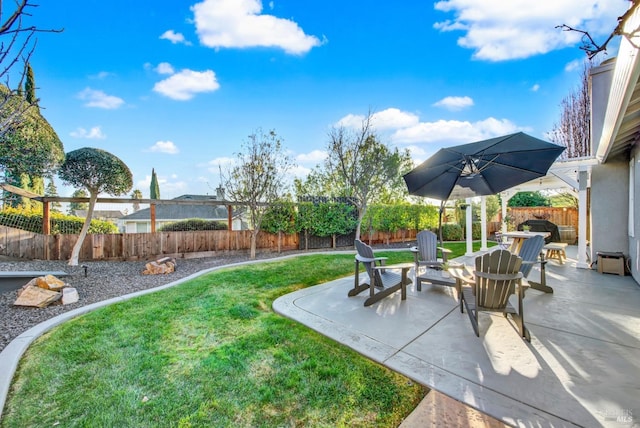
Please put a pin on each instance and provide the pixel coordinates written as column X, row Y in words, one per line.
column 50, row 282
column 160, row 266
column 32, row 295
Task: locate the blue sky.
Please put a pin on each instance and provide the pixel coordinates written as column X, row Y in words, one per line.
column 179, row 85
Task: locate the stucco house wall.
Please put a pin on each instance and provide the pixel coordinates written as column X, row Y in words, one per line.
column 609, row 207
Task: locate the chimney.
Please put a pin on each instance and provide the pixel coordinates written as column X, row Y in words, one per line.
column 220, row 193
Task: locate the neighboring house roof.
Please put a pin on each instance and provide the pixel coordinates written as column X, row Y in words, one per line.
column 182, row 211
column 102, row 214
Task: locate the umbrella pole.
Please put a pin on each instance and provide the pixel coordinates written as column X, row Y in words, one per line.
column 440, row 222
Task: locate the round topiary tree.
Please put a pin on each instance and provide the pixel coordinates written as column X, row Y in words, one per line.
column 97, row 171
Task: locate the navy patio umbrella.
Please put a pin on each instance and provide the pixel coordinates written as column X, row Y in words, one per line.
column 482, row 168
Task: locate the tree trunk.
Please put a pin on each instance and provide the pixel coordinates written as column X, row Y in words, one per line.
column 440, row 222
column 361, row 212
column 279, row 241
column 75, row 253
column 333, row 241
column 254, row 239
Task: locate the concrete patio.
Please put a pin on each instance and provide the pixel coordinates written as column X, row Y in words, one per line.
column 582, row 367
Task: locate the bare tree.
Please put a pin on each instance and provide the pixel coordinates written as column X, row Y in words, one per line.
column 360, row 166
column 573, row 130
column 258, row 177
column 16, row 46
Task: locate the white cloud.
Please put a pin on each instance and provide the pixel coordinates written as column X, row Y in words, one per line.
column 454, row 103
column 454, row 131
column 240, row 24
column 313, row 157
column 101, row 75
column 174, row 37
column 391, row 118
column 416, row 151
column 351, row 121
column 164, row 68
column 96, row 98
column 214, row 165
column 297, row 171
column 186, row 84
column 501, row 30
column 573, row 65
column 535, row 88
column 164, row 147
column 94, row 133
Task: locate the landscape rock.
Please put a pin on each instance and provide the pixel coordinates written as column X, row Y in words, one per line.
column 160, row 266
column 32, row 295
column 69, row 295
column 50, row 282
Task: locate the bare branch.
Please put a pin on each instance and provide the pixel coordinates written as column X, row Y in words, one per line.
column 590, row 46
column 17, row 45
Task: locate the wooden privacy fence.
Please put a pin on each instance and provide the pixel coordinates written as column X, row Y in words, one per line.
column 146, row 246
column 375, row 237
column 136, row 246
column 558, row 216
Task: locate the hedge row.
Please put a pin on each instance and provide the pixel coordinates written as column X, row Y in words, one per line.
column 31, row 220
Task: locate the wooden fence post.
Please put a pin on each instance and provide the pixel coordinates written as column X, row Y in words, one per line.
column 153, row 217
column 230, row 224
column 46, row 220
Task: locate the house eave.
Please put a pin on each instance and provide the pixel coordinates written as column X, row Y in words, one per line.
column 621, row 124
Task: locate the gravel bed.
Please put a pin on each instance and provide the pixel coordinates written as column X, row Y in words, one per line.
column 104, row 280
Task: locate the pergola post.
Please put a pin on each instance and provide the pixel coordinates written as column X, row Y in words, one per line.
column 469, row 220
column 584, row 182
column 483, row 223
column 504, row 198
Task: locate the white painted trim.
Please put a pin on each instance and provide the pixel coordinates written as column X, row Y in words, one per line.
column 469, row 217
column 632, row 182
column 625, row 77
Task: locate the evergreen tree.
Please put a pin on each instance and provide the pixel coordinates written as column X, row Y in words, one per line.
column 135, row 195
column 154, row 188
column 30, row 87
column 26, row 182
column 52, row 190
column 76, row 206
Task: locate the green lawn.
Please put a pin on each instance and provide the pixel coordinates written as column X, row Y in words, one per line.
column 208, row 352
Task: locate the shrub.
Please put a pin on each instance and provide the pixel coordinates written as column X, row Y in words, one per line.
column 31, row 221
column 193, row 224
column 452, row 232
column 279, row 217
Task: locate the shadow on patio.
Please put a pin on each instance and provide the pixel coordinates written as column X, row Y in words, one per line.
column 581, row 368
